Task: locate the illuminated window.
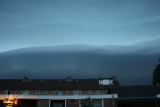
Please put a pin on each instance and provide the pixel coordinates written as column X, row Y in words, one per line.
column 111, row 82
column 7, row 91
column 105, row 82
column 44, row 91
column 37, row 91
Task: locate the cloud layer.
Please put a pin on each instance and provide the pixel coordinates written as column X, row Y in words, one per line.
column 133, row 65
column 49, row 23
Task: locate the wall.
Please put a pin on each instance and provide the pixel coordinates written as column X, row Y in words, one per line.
column 51, row 92
column 43, row 103
column 72, row 103
column 109, row 102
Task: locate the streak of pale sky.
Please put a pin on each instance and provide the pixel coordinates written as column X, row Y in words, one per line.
column 28, row 23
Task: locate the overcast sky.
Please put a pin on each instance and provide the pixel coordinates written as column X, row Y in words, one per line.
column 31, row 23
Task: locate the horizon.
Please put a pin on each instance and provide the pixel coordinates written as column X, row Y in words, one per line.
column 95, row 46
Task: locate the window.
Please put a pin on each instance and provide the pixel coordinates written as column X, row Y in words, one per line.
column 97, row 103
column 90, row 92
column 37, row 91
column 106, row 82
column 25, row 92
column 7, row 91
column 98, row 91
column 57, row 92
column 77, row 92
column 73, row 102
column 44, row 91
column 111, row 82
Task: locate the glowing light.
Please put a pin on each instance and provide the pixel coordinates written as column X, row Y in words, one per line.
column 15, row 101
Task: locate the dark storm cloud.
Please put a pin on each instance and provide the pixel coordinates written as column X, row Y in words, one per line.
column 131, row 25
column 129, row 68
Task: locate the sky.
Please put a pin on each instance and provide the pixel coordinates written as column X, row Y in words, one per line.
column 80, row 38
column 34, row 23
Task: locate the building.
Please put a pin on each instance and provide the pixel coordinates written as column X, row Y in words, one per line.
column 137, row 96
column 57, row 92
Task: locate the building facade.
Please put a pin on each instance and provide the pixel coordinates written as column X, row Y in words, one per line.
column 137, row 96
column 57, row 92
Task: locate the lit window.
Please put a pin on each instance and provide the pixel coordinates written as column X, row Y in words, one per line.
column 57, row 92
column 111, row 82
column 77, row 92
column 7, row 91
column 37, row 91
column 25, row 92
column 106, row 82
column 44, row 91
column 98, row 91
column 90, row 91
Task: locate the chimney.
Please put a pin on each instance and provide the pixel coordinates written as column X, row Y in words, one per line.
column 90, row 79
column 69, row 78
column 24, row 78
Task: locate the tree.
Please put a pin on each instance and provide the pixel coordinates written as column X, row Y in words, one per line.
column 88, row 102
column 156, row 74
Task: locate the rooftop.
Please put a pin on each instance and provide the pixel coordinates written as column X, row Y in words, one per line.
column 51, row 84
column 142, row 91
